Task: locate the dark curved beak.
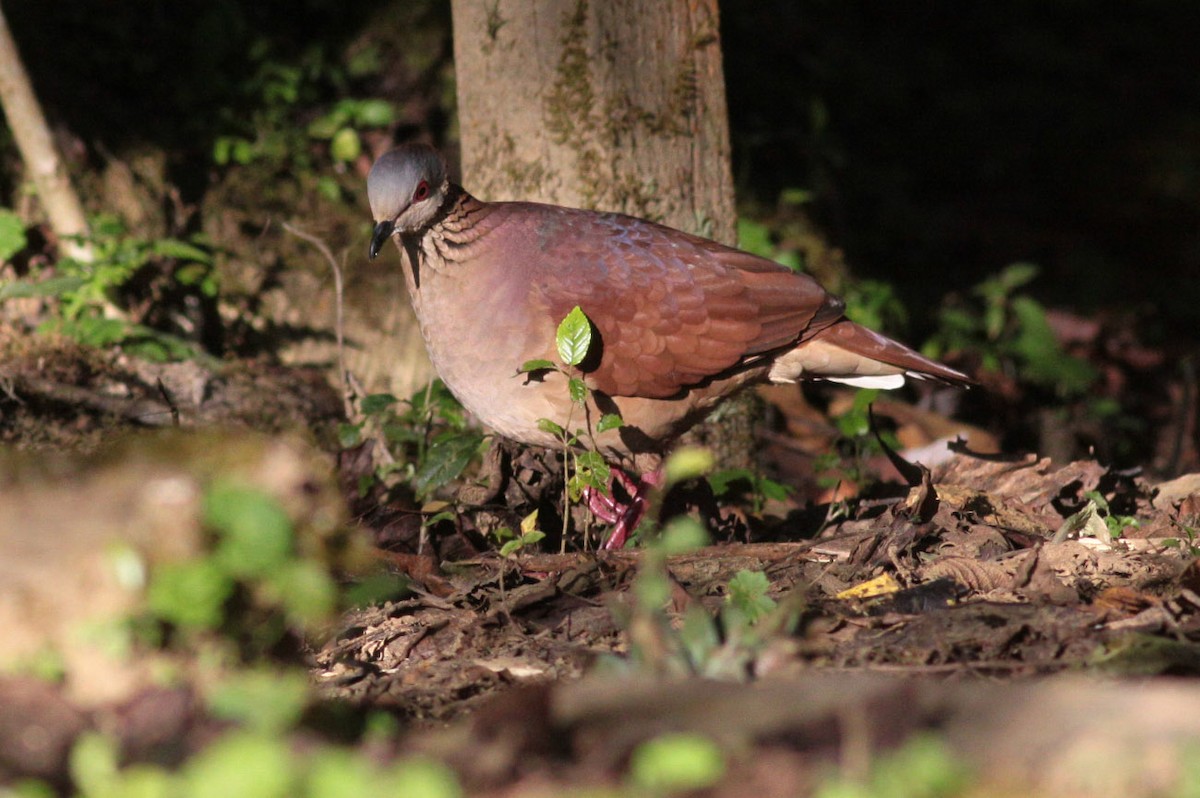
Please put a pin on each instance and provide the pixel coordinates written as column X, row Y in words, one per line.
column 383, row 231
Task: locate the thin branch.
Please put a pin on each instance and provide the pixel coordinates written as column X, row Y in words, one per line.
column 323, row 248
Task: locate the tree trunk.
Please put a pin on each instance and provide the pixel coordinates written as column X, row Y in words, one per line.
column 29, row 129
column 616, row 105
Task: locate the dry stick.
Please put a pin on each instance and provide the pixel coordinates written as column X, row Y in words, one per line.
column 32, row 135
column 323, row 248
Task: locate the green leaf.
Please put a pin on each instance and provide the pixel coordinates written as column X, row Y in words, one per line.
column 856, row 422
column 677, row 762
column 365, row 62
column 771, row 489
column 305, row 591
column 241, row 763
column 180, row 250
column 574, row 337
column 789, row 258
column 748, row 594
column 755, row 237
column 535, row 365
column 99, row 333
column 345, row 145
column 338, row 773
column 374, row 113
column 420, row 778
column 376, row 589
column 255, row 534
column 375, row 403
column 190, row 594
column 328, row 188
column 93, row 763
column 722, row 481
column 578, row 390
column 55, row 286
column 327, row 126
column 12, row 234
column 546, row 425
column 687, row 463
column 447, row 457
column 683, row 534
column 349, row 435
column 142, row 780
column 699, row 634
column 797, row 196
column 1016, row 275
column 592, row 470
column 609, row 421
column 264, row 699
column 1044, row 360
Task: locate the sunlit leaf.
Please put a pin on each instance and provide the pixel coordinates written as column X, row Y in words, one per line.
column 578, row 390
column 687, row 463
column 677, row 762
column 345, row 145
column 242, row 763
column 190, row 594
column 255, row 534
column 609, row 421
column 535, row 365
column 748, row 594
column 546, row 425
column 574, row 337
column 374, row 113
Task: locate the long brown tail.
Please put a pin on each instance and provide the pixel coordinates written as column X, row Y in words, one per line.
column 850, row 353
column 855, row 338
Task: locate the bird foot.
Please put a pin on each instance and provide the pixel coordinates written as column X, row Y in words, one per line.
column 624, row 516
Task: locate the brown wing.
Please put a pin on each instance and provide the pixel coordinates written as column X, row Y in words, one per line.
column 672, row 309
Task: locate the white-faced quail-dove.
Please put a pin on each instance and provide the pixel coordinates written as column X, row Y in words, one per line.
column 679, row 322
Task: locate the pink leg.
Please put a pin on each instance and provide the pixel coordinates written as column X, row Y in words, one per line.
column 602, row 505
column 633, row 512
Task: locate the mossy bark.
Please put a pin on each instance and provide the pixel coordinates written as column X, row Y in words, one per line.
column 616, row 105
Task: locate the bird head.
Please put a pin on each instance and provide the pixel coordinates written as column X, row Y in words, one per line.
column 406, row 188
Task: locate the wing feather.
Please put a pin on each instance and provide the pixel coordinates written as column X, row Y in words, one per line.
column 672, row 310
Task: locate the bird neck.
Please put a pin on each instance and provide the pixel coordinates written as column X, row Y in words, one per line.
column 460, row 218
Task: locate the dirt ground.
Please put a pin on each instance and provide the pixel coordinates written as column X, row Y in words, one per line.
column 1039, row 619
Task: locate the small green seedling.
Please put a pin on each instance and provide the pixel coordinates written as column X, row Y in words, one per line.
column 585, row 468
column 427, row 436
column 513, row 542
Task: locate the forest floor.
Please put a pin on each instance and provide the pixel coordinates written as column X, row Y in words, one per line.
column 907, row 636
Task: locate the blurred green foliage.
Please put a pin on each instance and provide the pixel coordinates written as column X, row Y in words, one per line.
column 923, row 767
column 676, row 762
column 255, row 584
column 244, row 763
column 1008, row 330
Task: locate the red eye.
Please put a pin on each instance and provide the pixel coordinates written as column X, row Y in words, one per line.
column 422, row 191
